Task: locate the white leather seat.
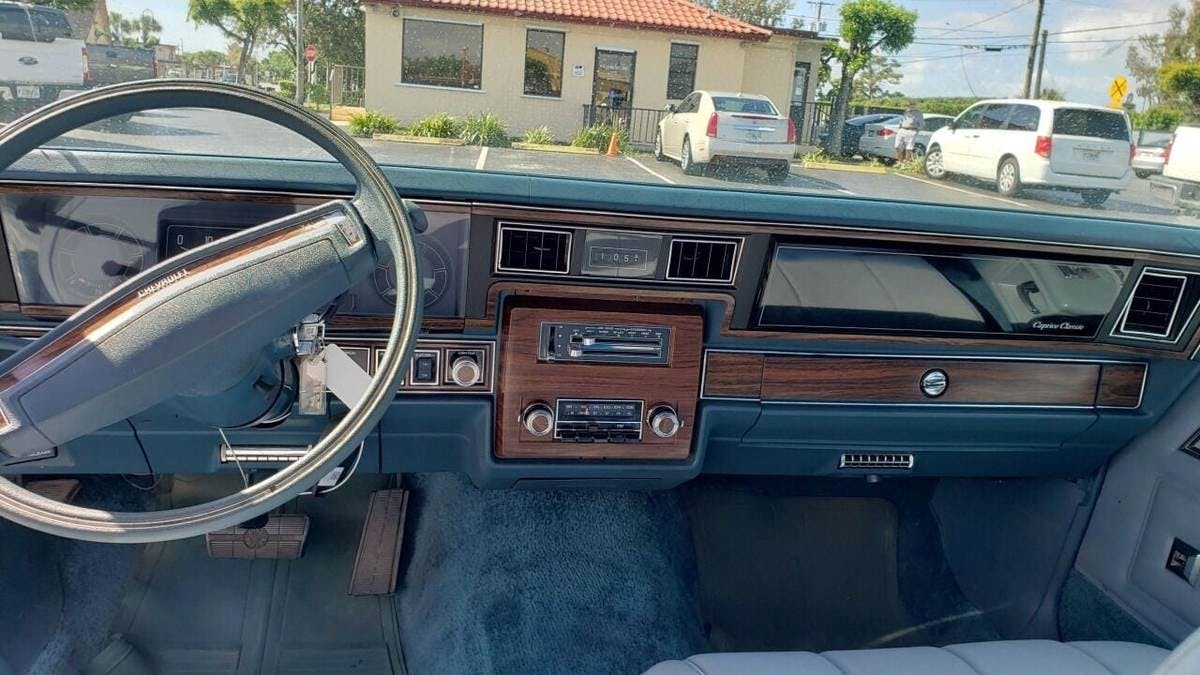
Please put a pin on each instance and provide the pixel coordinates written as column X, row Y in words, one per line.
column 1013, row 657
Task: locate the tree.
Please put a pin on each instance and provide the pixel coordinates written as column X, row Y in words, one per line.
column 866, row 26
column 334, row 26
column 1182, row 79
column 1143, row 61
column 872, row 81
column 757, row 12
column 204, row 58
column 248, row 22
column 142, row 31
column 1052, row 94
column 68, row 5
column 278, row 65
column 1149, row 59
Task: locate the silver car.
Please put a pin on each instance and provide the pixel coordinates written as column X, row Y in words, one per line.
column 1150, row 157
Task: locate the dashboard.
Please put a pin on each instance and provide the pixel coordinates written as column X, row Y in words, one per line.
column 586, row 346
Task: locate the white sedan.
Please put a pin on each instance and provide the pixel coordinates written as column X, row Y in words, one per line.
column 879, row 140
column 710, row 128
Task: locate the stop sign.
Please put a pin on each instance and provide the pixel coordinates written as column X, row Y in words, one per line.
column 310, row 53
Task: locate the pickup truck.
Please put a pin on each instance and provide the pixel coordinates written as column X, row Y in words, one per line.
column 1180, row 181
column 40, row 59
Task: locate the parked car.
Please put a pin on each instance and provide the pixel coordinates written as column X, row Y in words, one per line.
column 1150, row 157
column 1179, row 183
column 1048, row 144
column 879, row 138
column 40, row 60
column 852, row 131
column 709, row 128
column 113, row 64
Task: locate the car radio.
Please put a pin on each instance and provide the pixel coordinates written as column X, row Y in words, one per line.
column 605, row 420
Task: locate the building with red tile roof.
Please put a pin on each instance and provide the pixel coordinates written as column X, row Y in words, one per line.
column 563, row 63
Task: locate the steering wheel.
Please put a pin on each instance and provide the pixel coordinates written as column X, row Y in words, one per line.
column 202, row 321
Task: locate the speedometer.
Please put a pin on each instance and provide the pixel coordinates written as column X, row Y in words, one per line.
column 89, row 260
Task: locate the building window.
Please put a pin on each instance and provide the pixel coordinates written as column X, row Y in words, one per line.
column 544, row 62
column 442, row 54
column 681, row 77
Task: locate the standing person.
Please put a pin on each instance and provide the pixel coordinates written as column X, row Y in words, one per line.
column 906, row 138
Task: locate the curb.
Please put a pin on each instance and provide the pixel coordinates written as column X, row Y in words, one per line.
column 427, row 140
column 828, row 166
column 565, row 149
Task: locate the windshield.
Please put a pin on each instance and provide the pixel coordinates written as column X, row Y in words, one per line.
column 892, row 100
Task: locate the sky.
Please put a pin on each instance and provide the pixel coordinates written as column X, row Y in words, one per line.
column 1079, row 64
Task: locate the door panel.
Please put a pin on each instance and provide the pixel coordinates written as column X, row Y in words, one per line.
column 1150, row 498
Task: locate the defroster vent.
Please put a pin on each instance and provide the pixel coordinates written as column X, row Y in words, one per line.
column 533, row 250
column 702, row 260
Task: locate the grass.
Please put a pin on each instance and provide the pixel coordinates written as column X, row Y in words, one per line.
column 439, row 125
column 538, row 136
column 373, row 122
column 486, row 129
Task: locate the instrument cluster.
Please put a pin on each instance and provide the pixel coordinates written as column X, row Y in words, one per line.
column 68, row 250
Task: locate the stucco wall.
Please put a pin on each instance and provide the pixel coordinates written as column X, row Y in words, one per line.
column 722, row 65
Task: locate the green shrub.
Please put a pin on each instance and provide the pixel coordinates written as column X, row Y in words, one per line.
column 597, row 136
column 1158, row 118
column 485, row 129
column 439, row 125
column 318, row 93
column 373, row 122
column 539, row 136
column 287, row 88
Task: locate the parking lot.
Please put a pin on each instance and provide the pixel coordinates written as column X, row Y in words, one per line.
column 211, row 132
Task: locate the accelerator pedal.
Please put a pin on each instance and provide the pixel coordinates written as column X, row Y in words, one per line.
column 281, row 537
column 378, row 561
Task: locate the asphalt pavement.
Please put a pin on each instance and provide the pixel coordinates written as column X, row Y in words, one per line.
column 202, row 131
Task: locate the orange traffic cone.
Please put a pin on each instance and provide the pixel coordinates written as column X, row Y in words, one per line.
column 613, row 147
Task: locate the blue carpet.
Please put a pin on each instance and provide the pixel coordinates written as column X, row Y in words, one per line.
column 545, row 582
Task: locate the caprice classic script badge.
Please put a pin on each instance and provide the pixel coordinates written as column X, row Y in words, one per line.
column 1058, row 325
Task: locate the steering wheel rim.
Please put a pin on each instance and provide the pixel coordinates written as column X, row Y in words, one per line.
column 379, row 208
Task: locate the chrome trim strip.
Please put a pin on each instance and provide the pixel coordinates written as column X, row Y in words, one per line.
column 847, row 228
column 930, row 404
column 1152, row 337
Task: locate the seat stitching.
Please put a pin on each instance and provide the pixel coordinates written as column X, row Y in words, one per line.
column 960, row 657
column 1087, row 654
column 693, row 665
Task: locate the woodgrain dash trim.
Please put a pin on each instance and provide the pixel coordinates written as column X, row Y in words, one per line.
column 733, row 375
column 1121, row 385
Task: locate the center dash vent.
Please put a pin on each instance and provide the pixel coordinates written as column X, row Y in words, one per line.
column 702, row 260
column 1153, row 305
column 900, row 460
column 533, row 250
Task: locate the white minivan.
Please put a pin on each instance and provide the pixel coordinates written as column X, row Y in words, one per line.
column 1048, row 144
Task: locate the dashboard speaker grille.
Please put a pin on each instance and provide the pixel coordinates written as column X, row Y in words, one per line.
column 898, row 460
column 702, row 260
column 1154, row 305
column 528, row 249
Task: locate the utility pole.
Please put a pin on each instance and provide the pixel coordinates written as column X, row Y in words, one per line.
column 820, row 5
column 1037, row 84
column 301, row 65
column 1037, row 28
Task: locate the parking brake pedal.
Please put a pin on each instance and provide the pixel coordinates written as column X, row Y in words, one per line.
column 282, row 537
column 378, row 561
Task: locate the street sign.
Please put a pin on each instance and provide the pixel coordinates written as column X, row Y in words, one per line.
column 1117, row 91
column 310, row 53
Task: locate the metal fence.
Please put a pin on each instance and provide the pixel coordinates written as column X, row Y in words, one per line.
column 347, row 85
column 640, row 123
column 809, row 117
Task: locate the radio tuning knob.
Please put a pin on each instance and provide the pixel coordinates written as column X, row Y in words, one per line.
column 538, row 419
column 664, row 421
column 465, row 370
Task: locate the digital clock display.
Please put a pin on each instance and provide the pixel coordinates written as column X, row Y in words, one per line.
column 621, row 254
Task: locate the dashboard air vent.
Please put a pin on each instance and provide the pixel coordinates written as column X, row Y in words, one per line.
column 1153, row 305
column 702, row 260
column 533, row 250
column 899, row 460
